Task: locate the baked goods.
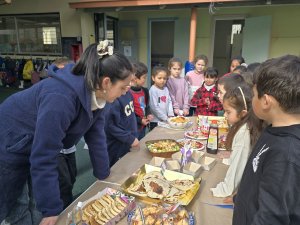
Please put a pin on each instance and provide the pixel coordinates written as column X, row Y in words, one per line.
column 161, row 215
column 154, row 185
column 103, row 209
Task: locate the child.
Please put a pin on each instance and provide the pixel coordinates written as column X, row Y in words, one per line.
column 178, row 88
column 227, row 83
column 141, row 99
column 67, row 169
column 244, row 131
column 205, row 98
column 235, row 61
column 160, row 100
column 121, row 128
column 269, row 190
column 195, row 78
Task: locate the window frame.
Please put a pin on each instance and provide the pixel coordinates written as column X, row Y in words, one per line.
column 55, row 51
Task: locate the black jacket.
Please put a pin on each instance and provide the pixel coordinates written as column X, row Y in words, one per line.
column 269, row 190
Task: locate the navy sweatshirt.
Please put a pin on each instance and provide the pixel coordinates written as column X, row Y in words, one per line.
column 40, row 121
column 269, row 190
column 121, row 127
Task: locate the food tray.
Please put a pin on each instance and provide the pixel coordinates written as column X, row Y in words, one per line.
column 113, row 218
column 163, row 152
column 156, row 214
column 137, row 176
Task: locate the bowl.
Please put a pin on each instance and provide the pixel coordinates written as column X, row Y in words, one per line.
column 164, row 148
column 178, row 122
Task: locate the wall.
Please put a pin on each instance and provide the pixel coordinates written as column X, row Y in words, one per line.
column 285, row 36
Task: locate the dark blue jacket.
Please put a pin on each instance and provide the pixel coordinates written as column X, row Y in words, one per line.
column 121, row 127
column 38, row 122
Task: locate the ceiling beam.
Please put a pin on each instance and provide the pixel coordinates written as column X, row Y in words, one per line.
column 128, row 3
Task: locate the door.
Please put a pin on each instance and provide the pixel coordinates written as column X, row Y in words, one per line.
column 128, row 43
column 106, row 27
column 227, row 36
column 161, row 42
column 256, row 39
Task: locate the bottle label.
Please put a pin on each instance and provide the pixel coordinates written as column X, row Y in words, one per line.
column 212, row 141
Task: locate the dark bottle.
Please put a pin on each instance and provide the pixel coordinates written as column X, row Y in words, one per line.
column 212, row 141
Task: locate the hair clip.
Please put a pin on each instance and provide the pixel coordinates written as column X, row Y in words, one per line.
column 103, row 48
column 244, row 99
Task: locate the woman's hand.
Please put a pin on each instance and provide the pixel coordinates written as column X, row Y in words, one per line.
column 49, row 220
column 136, row 143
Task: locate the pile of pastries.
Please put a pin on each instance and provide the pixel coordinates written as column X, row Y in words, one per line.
column 158, row 215
column 103, row 210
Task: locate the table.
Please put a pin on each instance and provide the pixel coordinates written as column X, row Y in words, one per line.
column 202, row 205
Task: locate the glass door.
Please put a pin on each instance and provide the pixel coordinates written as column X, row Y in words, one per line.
column 106, row 27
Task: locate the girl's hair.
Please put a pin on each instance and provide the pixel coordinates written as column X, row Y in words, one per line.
column 248, row 77
column 252, row 67
column 211, row 72
column 95, row 68
column 201, row 57
column 174, row 60
column 240, row 69
column 157, row 69
column 231, row 81
column 238, row 58
column 240, row 99
column 140, row 68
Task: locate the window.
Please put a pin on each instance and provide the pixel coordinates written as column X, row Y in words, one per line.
column 30, row 34
column 49, row 35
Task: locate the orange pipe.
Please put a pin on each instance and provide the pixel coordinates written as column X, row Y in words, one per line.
column 193, row 30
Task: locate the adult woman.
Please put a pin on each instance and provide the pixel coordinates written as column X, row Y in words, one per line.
column 54, row 114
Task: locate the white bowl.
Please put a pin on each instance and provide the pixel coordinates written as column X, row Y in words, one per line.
column 178, row 124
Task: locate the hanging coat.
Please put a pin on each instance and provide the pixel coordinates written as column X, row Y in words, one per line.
column 28, row 69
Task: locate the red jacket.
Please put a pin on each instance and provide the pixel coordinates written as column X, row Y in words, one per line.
column 199, row 101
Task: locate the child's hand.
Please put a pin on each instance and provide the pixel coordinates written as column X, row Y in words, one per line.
column 186, row 112
column 207, row 101
column 145, row 121
column 176, row 112
column 150, row 117
column 136, row 143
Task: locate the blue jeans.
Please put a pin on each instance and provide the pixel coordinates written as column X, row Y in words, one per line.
column 17, row 206
column 25, row 212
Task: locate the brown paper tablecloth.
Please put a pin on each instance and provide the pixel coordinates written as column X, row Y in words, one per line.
column 205, row 213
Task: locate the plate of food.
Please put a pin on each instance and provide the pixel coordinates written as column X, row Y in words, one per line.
column 178, row 122
column 195, row 134
column 160, row 214
column 163, row 147
column 195, row 144
column 106, row 207
column 153, row 185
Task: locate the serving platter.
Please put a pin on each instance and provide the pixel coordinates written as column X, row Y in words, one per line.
column 170, row 176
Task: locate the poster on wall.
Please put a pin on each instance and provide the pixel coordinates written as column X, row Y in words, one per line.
column 127, row 51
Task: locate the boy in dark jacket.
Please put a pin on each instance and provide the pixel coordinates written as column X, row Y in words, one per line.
column 269, row 190
column 141, row 99
column 121, row 128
